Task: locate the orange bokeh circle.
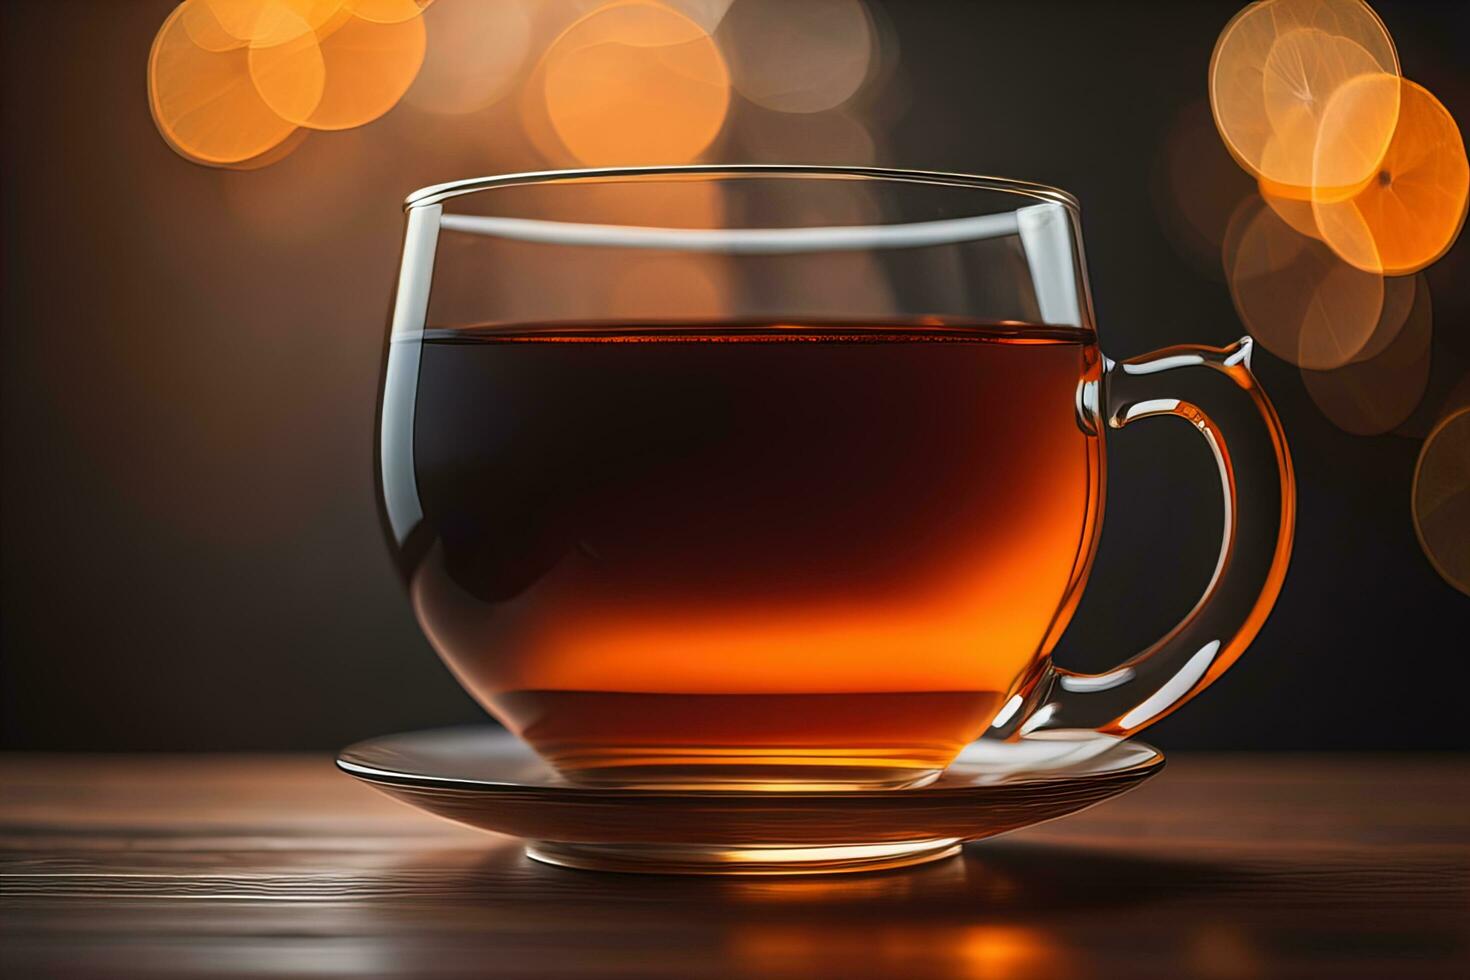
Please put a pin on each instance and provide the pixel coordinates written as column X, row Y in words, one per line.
column 1273, row 70
column 271, row 21
column 345, row 73
column 1411, row 212
column 1290, row 208
column 205, row 29
column 1441, row 499
column 203, row 101
column 389, row 11
column 634, row 82
column 1380, row 389
column 1302, row 302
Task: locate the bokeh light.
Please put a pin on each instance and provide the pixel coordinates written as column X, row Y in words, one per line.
column 1290, row 208
column 393, row 11
column 203, row 101
column 1303, row 70
column 364, row 68
column 799, row 57
column 1380, row 389
column 1274, row 68
column 290, row 76
column 1410, row 213
column 204, row 28
column 1302, row 302
column 475, row 53
column 270, row 22
column 631, row 82
column 1441, row 499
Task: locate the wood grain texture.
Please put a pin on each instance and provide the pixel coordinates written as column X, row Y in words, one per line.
column 1222, row 867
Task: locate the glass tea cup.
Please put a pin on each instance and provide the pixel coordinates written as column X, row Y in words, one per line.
column 784, row 478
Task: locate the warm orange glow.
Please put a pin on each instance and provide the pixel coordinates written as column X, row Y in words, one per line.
column 475, row 53
column 1304, row 68
column 997, row 952
column 982, row 952
column 203, row 101
column 1442, row 499
column 272, row 156
column 799, row 57
column 1410, row 213
column 389, row 11
column 291, row 76
column 1295, row 211
column 1382, row 387
column 362, row 69
column 1295, row 296
column 269, row 22
column 633, row 82
column 974, row 625
column 918, row 580
column 204, row 28
column 1275, row 66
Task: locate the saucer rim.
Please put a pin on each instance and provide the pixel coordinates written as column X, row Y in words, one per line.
column 1141, row 769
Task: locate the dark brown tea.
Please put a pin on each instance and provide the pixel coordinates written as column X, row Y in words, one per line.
column 775, row 555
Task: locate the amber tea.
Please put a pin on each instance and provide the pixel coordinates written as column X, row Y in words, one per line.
column 757, row 554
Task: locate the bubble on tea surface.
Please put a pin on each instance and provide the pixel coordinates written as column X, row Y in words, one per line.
column 475, row 54
column 1376, row 393
column 203, row 101
column 1412, row 211
column 799, row 57
column 1441, row 499
column 1302, row 302
column 1274, row 67
column 632, row 82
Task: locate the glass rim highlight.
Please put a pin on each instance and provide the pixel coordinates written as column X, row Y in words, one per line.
column 436, row 194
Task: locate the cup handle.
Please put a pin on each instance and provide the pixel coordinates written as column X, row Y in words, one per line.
column 1260, row 513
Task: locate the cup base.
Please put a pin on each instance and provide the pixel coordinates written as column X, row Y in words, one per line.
column 752, row 778
column 714, row 859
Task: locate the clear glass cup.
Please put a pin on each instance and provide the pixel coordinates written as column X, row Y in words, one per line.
column 784, row 478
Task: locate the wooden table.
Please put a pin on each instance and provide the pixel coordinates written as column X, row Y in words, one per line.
column 1222, row 867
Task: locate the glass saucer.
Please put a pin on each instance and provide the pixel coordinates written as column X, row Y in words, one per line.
column 488, row 779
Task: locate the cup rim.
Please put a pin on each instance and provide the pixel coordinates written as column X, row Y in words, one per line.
column 435, row 194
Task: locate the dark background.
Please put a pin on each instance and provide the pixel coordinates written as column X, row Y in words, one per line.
column 192, row 557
